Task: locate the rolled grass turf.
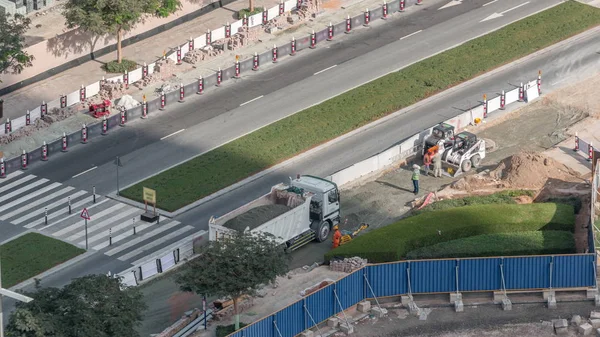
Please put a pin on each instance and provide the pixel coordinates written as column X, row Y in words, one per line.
column 272, row 144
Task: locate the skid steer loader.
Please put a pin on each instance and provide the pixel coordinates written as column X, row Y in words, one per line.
column 460, row 153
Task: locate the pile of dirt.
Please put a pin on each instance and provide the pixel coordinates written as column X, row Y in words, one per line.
column 111, row 90
column 256, row 217
column 531, row 170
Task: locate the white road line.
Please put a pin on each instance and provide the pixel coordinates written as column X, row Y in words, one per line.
column 517, row 6
column 124, row 235
column 139, row 239
column 11, row 175
column 52, row 205
column 36, row 202
column 29, row 196
column 561, row 80
column 324, row 70
column 252, row 100
column 155, row 243
column 126, row 219
column 74, row 207
column 411, row 34
column 489, row 3
column 18, row 182
column 99, row 215
column 173, row 134
column 168, row 249
column 84, row 172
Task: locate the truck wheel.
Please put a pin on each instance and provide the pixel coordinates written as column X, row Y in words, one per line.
column 466, row 166
column 323, row 231
column 476, row 160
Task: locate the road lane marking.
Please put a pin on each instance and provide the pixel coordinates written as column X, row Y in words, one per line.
column 411, row 34
column 324, row 70
column 489, row 3
column 173, row 134
column 84, row 172
column 559, row 81
column 252, row 100
column 517, row 6
column 501, row 14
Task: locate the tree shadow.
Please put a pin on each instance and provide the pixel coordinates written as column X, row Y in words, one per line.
column 74, row 42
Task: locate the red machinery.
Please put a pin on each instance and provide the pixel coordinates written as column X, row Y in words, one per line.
column 100, row 109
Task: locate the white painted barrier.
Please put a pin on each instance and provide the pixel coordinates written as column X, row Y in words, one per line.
column 54, row 104
column 17, row 123
column 115, row 79
column 92, row 89
column 73, row 98
column 148, row 269
column 289, row 5
column 200, row 42
column 255, row 20
column 235, row 27
column 167, row 262
column 218, row 34
column 531, row 93
column 273, row 12
column 35, row 114
column 135, row 75
column 493, row 104
column 151, row 68
column 511, row 96
column 185, row 48
column 129, row 278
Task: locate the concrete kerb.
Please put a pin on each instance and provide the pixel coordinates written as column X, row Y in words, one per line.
column 363, row 128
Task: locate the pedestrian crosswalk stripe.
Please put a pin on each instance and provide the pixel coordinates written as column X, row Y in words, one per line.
column 11, row 176
column 50, row 206
column 65, row 210
column 15, row 183
column 98, row 215
column 23, row 189
column 153, row 244
column 158, row 230
column 103, row 226
column 36, row 203
column 168, row 248
column 28, row 196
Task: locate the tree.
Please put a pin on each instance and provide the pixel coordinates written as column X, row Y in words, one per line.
column 234, row 266
column 90, row 306
column 101, row 17
column 251, row 6
column 13, row 58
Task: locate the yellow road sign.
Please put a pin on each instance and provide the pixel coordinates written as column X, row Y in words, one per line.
column 149, row 195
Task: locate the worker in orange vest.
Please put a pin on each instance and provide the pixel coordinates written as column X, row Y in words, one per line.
column 337, row 236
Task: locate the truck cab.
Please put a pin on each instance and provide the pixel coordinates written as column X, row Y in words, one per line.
column 325, row 203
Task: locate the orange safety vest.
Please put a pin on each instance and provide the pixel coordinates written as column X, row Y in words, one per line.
column 337, row 237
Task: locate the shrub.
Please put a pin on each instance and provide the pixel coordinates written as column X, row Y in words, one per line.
column 393, row 242
column 503, row 197
column 500, row 244
column 119, row 68
column 248, row 13
column 224, row 330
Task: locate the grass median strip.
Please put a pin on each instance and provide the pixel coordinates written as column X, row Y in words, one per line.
column 32, row 254
column 248, row 155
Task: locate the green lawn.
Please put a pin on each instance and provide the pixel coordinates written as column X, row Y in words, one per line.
column 295, row 134
column 393, row 242
column 500, row 244
column 32, row 254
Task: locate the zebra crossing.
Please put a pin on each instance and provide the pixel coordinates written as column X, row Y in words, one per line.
column 39, row 204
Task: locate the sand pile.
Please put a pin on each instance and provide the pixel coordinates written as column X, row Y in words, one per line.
column 256, row 217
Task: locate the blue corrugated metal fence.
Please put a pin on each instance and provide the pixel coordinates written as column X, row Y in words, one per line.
column 427, row 276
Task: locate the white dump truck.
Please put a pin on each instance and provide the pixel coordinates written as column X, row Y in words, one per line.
column 296, row 214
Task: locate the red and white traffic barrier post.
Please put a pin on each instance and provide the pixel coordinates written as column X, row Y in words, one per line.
column 419, row 2
column 43, row 109
column 24, row 160
column 237, row 69
column 181, row 93
column 63, row 101
column 265, row 17
column 123, row 118
column 274, row 53
column 104, row 126
column 521, row 93
column 8, row 126
column 367, row 17
column 590, row 151
column 539, row 82
column 385, row 10
column 208, row 37
column 219, row 77
column 485, row 106
column 255, row 62
column 502, row 100
column 200, row 86
column 576, row 143
column 348, row 25
column 163, row 100
column 144, row 107
column 330, row 32
column 2, row 169
column 293, row 46
column 44, row 152
column 144, row 70
column 178, row 55
column 298, row 4
column 191, row 44
column 84, row 134
column 245, row 21
column 281, row 7
column 126, row 79
column 28, row 118
column 402, row 4
column 227, row 30
column 313, row 40
column 64, row 143
column 82, row 94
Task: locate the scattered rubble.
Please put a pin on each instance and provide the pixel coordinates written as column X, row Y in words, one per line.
column 54, row 115
column 348, row 265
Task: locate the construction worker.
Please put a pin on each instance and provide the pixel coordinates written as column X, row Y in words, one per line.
column 337, row 236
column 427, row 162
column 437, row 165
column 415, row 178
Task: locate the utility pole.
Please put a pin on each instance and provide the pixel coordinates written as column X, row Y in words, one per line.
column 11, row 294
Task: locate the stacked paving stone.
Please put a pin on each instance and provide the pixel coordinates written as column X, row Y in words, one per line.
column 348, row 265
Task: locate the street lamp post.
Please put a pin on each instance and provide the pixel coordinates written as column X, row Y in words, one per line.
column 117, row 163
column 11, row 294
